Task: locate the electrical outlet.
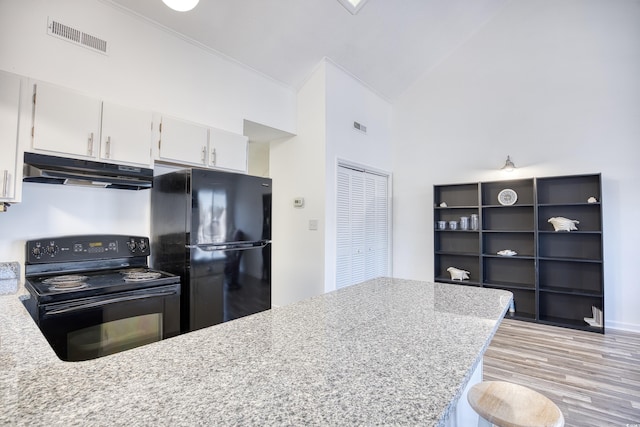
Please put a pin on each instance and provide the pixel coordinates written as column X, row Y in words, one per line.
column 298, row 202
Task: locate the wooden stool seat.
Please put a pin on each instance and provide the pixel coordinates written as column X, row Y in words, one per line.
column 511, row 405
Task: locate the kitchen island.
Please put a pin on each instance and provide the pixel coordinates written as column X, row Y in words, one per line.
column 387, row 351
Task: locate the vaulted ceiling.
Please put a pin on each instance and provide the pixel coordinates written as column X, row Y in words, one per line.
column 388, row 45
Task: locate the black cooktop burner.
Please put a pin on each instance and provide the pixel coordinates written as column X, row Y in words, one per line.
column 66, row 282
column 140, row 276
column 58, row 288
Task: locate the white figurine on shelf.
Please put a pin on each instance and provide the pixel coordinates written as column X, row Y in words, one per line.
column 592, row 200
column 597, row 320
column 563, row 224
column 507, row 252
column 457, row 274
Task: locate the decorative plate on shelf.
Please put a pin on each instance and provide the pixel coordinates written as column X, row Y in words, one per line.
column 507, row 197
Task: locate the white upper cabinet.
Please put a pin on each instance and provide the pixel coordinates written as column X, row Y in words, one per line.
column 10, row 86
column 65, row 122
column 183, row 142
column 228, row 150
column 126, row 134
column 68, row 123
column 190, row 143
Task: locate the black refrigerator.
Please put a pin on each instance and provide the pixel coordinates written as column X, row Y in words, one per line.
column 213, row 228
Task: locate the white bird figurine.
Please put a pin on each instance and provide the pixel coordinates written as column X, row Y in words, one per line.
column 457, row 274
column 563, row 224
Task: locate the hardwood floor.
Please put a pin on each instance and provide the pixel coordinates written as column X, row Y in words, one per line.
column 593, row 378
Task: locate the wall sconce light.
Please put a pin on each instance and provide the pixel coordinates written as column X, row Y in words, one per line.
column 508, row 165
column 181, row 5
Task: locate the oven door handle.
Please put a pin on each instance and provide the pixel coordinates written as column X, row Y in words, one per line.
column 83, row 305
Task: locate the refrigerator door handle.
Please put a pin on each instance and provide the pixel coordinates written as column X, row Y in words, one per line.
column 230, row 246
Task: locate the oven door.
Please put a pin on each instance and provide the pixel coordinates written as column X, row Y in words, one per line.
column 93, row 327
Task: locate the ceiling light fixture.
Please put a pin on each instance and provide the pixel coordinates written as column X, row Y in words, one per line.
column 353, row 6
column 181, row 5
column 508, row 165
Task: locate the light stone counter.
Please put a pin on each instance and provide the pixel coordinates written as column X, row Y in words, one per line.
column 387, row 351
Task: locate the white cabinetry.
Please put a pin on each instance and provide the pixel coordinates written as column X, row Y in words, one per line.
column 228, row 150
column 66, row 122
column 183, row 142
column 10, row 86
column 190, row 143
column 126, row 134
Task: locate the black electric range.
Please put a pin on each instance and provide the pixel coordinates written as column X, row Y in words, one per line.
column 95, row 295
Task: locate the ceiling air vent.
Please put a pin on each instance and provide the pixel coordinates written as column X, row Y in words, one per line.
column 73, row 35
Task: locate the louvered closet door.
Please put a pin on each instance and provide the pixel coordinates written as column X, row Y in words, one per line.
column 362, row 227
column 378, row 227
column 343, row 229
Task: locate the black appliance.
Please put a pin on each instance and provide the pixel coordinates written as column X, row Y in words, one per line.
column 213, row 228
column 94, row 295
column 62, row 170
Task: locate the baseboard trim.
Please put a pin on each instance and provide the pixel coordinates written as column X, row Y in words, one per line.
column 621, row 326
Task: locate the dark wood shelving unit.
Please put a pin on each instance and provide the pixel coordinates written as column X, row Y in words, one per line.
column 510, row 227
column 460, row 248
column 556, row 276
column 571, row 274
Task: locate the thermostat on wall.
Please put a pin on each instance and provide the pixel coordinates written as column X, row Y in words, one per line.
column 298, row 202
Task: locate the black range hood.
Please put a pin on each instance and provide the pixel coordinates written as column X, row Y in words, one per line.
column 61, row 170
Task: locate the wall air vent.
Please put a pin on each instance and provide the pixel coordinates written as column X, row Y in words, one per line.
column 362, row 128
column 73, row 35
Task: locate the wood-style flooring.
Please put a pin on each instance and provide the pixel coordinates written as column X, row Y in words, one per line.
column 593, row 378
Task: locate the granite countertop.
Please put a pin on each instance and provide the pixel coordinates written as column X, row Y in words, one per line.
column 387, row 351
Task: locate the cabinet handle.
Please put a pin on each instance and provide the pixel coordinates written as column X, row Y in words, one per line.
column 90, row 150
column 213, row 157
column 204, row 155
column 107, row 150
column 5, row 182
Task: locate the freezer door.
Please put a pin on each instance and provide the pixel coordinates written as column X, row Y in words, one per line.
column 229, row 207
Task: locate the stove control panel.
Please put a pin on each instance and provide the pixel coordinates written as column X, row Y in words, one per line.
column 86, row 248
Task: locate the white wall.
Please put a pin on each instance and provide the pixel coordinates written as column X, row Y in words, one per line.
column 348, row 100
column 258, row 161
column 56, row 210
column 554, row 84
column 305, row 166
column 148, row 68
column 297, row 168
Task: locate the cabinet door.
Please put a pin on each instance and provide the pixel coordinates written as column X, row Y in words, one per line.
column 65, row 122
column 126, row 134
column 228, row 150
column 9, row 114
column 183, row 142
